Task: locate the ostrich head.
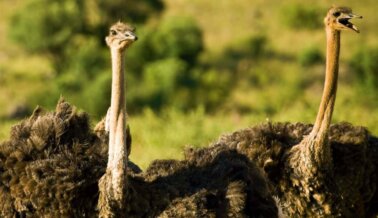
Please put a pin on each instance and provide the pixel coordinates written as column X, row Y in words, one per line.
column 338, row 19
column 120, row 36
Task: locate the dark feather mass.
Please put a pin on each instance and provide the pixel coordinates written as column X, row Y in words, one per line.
column 52, row 163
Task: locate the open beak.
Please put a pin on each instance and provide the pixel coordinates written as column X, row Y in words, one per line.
column 344, row 20
column 131, row 35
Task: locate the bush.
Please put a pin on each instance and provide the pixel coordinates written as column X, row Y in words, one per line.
column 85, row 57
column 96, row 97
column 213, row 87
column 46, row 97
column 136, row 11
column 302, row 17
column 159, row 64
column 251, row 49
column 310, row 56
column 141, row 52
column 177, row 37
column 51, row 26
column 46, row 25
column 72, row 33
column 161, row 81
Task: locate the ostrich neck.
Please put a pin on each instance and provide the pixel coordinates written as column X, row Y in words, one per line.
column 324, row 116
column 313, row 155
column 117, row 159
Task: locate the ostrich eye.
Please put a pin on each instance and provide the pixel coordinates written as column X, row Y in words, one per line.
column 113, row 32
column 336, row 14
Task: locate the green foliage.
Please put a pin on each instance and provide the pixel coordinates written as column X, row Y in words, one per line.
column 70, row 82
column 46, row 97
column 96, row 96
column 365, row 66
column 253, row 47
column 47, row 25
column 165, row 134
column 161, row 81
column 310, row 56
column 212, row 88
column 71, row 33
column 52, row 27
column 136, row 11
column 5, row 128
column 160, row 65
column 299, row 16
column 141, row 52
column 177, row 37
column 85, row 57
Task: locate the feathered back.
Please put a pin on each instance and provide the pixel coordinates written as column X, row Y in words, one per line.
column 50, row 165
column 355, row 166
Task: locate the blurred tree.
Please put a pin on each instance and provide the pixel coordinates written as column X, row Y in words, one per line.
column 163, row 67
column 178, row 37
column 310, row 56
column 161, row 62
column 365, row 65
column 49, row 26
column 161, row 81
column 96, row 95
column 299, row 16
column 251, row 49
column 135, row 11
column 71, row 34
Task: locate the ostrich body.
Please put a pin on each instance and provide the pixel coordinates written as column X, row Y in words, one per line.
column 350, row 190
column 322, row 170
column 112, row 191
column 52, row 162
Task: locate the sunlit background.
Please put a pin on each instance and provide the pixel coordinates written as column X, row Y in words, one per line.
column 200, row 68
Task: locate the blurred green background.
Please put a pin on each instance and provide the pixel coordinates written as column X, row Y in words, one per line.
column 200, row 68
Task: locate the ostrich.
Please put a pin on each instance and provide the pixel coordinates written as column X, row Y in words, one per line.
column 311, row 159
column 112, row 191
column 331, row 171
column 314, row 150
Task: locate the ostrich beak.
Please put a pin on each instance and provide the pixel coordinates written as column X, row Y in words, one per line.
column 131, row 36
column 345, row 21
